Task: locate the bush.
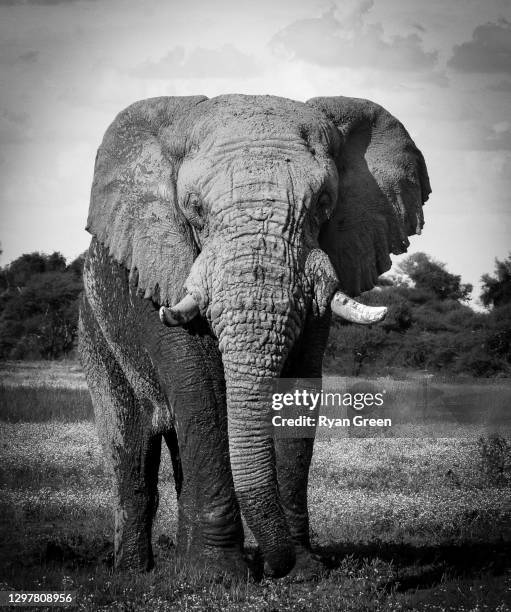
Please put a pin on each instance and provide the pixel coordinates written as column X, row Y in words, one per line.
column 498, row 340
column 465, row 318
column 497, row 288
column 432, row 276
column 495, row 459
column 39, row 307
column 423, row 330
column 399, row 317
column 477, row 362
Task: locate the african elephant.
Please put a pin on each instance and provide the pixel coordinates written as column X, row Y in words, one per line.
column 237, row 221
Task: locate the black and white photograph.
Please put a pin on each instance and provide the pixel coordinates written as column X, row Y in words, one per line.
column 255, row 305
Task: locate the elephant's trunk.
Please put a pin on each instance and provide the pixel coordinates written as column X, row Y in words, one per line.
column 254, row 350
column 257, row 308
column 252, row 457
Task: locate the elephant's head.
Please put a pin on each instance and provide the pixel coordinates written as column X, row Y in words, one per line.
column 254, row 211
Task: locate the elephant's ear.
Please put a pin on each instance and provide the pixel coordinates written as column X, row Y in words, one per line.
column 383, row 183
column 133, row 209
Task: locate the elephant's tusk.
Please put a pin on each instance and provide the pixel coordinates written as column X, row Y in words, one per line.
column 353, row 311
column 181, row 313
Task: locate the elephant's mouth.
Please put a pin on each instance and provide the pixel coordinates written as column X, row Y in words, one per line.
column 341, row 305
column 322, row 278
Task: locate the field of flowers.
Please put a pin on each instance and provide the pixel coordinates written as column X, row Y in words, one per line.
column 402, row 524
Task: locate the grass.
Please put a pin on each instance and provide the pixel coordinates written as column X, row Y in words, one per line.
column 403, row 524
column 43, row 391
column 43, row 373
column 43, row 404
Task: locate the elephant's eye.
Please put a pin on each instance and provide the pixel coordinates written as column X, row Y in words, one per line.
column 324, row 204
column 193, row 209
column 324, row 200
column 193, row 202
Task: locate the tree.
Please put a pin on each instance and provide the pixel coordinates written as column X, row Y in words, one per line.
column 47, row 308
column 19, row 272
column 427, row 326
column 497, row 289
column 39, row 306
column 432, row 276
column 76, row 266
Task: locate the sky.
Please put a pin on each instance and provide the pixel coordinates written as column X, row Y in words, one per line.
column 442, row 67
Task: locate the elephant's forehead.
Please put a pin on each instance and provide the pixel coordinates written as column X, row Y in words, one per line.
column 259, row 117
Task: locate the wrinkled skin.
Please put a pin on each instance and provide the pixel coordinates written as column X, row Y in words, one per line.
column 258, row 209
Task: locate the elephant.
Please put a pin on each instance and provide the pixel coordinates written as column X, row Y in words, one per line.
column 225, row 232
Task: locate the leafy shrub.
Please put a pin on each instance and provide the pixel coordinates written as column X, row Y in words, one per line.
column 495, row 459
column 39, row 306
column 465, row 318
column 415, row 295
column 432, row 275
column 497, row 288
column 477, row 362
column 498, row 340
column 425, row 328
column 427, row 319
column 399, row 317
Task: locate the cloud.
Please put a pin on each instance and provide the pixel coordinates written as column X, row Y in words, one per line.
column 497, row 138
column 480, row 137
column 15, row 126
column 489, row 50
column 347, row 40
column 29, row 57
column 16, row 52
column 501, row 86
column 200, row 63
column 38, row 2
column 495, row 142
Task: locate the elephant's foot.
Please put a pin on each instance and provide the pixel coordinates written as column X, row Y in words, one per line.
column 134, row 562
column 133, row 554
column 211, row 543
column 217, row 564
column 308, row 566
column 132, row 538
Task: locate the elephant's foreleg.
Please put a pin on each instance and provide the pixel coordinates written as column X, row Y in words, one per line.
column 131, row 450
column 135, row 486
column 293, row 461
column 177, row 467
column 294, row 455
column 210, row 531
